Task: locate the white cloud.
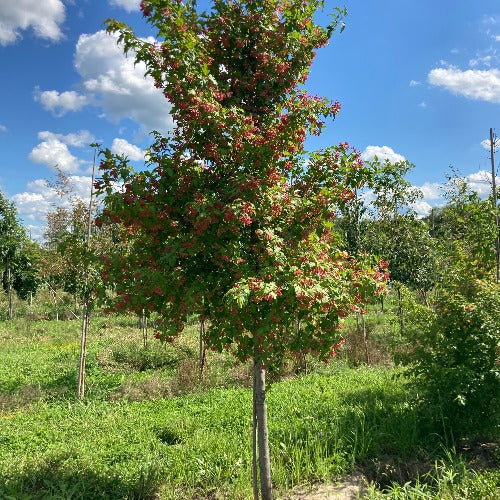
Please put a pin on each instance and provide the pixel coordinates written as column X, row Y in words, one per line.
column 481, row 61
column 3, row 128
column 32, row 206
column 422, row 208
column 486, row 144
column 119, row 85
column 480, row 182
column 77, row 139
column 382, row 153
column 430, row 190
column 44, row 17
column 128, row 5
column 414, row 83
column 123, row 147
column 39, row 199
column 60, row 103
column 422, row 104
column 473, row 84
column 53, row 152
column 492, row 20
column 496, row 38
column 81, row 186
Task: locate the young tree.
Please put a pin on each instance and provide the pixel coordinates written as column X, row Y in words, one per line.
column 16, row 256
column 465, row 226
column 393, row 231
column 233, row 221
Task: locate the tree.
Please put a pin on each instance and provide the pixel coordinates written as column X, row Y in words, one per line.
column 465, row 226
column 16, row 256
column 233, row 220
column 393, row 231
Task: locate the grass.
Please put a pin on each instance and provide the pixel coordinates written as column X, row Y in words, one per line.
column 149, row 428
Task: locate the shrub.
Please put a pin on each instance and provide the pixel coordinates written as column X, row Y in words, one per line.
column 454, row 355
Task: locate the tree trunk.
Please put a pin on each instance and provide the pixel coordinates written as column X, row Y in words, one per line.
column 255, row 474
column 495, row 205
column 202, row 350
column 9, row 291
column 83, row 351
column 143, row 325
column 400, row 312
column 259, row 375
column 56, row 311
column 365, row 339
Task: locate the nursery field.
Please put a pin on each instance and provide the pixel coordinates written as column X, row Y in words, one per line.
column 149, row 429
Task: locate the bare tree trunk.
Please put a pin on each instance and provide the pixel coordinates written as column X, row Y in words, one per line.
column 357, row 348
column 303, row 360
column 400, row 311
column 202, row 354
column 495, row 205
column 9, row 291
column 56, row 309
column 365, row 339
column 259, row 375
column 255, row 474
column 143, row 325
column 83, row 351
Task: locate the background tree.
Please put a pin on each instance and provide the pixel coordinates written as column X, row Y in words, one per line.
column 464, row 226
column 394, row 232
column 453, row 340
column 231, row 223
column 16, row 255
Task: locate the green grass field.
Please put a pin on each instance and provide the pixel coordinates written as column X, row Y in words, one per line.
column 147, row 426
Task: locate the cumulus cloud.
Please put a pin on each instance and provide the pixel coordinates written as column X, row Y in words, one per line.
column 123, row 147
column 32, row 206
column 421, row 208
column 487, row 145
column 39, row 199
column 44, row 18
column 430, row 190
column 480, row 182
column 414, row 83
column 60, row 103
column 474, row 84
column 77, row 139
column 128, row 5
column 382, row 153
column 52, row 153
column 119, row 85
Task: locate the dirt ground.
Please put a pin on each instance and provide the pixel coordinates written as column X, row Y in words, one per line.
column 351, row 487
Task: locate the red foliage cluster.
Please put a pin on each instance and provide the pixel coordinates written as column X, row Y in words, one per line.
column 233, row 220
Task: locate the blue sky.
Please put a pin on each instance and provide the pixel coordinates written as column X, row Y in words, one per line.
column 419, row 80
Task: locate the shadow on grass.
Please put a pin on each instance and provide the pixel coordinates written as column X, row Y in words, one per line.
column 23, row 394
column 53, row 480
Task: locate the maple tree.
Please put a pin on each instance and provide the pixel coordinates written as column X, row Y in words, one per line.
column 233, row 219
